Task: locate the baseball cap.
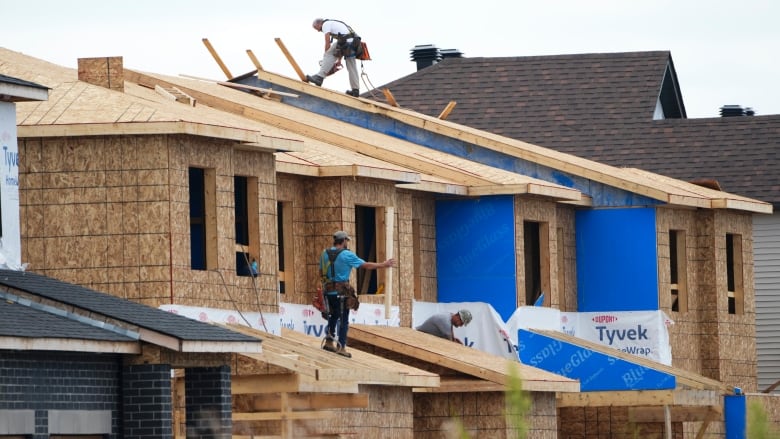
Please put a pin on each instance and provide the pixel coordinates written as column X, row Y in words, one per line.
column 465, row 316
column 340, row 235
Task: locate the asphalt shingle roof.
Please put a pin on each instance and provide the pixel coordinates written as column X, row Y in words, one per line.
column 23, row 321
column 131, row 312
column 600, row 107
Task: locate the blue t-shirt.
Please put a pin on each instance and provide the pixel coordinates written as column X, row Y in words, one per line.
column 345, row 262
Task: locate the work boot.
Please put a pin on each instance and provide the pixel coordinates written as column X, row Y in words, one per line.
column 342, row 350
column 354, row 92
column 316, row 80
column 328, row 344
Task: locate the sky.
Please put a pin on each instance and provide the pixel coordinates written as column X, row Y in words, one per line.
column 725, row 52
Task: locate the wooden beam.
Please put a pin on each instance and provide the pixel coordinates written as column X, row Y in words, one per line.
column 290, row 59
column 217, row 58
column 447, row 110
column 465, row 385
column 266, row 91
column 703, row 428
column 389, row 97
column 282, row 416
column 240, row 86
column 678, row 414
column 254, row 60
column 637, row 398
column 260, row 384
column 389, row 222
column 309, row 401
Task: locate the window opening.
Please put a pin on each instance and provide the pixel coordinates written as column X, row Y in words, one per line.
column 284, row 230
column 678, row 270
column 365, row 246
column 203, row 213
column 734, row 278
column 537, row 262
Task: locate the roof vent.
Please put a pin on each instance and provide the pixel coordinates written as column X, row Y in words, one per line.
column 451, row 53
column 425, row 55
column 735, row 111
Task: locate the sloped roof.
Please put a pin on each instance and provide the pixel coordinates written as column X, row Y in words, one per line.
column 454, row 356
column 23, row 321
column 600, row 106
column 187, row 333
column 78, row 108
column 401, row 122
column 331, row 144
column 512, row 95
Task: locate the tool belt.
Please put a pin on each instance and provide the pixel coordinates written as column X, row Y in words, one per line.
column 344, row 289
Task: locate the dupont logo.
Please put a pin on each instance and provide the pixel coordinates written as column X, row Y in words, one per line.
column 605, row 319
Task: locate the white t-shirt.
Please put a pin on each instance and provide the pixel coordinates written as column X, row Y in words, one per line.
column 334, row 28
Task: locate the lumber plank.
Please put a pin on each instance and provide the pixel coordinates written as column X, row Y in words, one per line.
column 254, row 60
column 678, row 414
column 277, row 416
column 290, row 59
column 216, row 57
column 636, row 398
column 270, row 383
column 447, row 110
column 310, row 401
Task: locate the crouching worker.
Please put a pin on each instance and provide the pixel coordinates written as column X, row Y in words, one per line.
column 336, row 264
column 442, row 325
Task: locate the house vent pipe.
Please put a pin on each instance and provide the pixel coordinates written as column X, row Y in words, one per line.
column 425, row 55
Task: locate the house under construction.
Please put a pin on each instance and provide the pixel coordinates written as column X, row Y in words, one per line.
column 161, row 190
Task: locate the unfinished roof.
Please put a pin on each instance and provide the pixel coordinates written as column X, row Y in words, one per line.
column 363, row 147
column 322, row 371
column 468, row 361
column 601, row 106
column 140, row 321
column 402, row 119
column 77, row 108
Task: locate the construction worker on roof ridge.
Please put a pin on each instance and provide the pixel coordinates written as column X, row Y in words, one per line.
column 346, row 45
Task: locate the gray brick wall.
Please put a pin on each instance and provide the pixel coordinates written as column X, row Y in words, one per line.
column 147, row 408
column 208, row 400
column 41, row 382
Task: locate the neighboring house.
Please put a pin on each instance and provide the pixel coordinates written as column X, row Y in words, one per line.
column 158, row 188
column 626, row 110
column 78, row 362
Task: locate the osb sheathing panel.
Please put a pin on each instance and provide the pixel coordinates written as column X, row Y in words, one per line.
column 567, row 275
column 723, row 346
column 612, row 423
column 389, row 415
column 330, row 206
column 424, row 211
column 101, row 212
column 291, row 190
column 481, row 415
